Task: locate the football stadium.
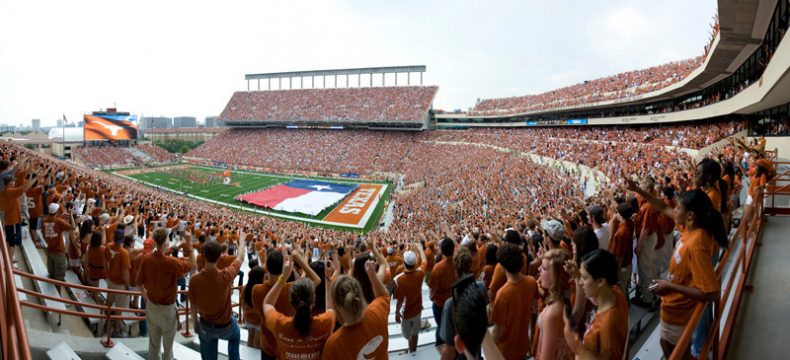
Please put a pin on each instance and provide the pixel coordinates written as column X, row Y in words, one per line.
column 482, row 206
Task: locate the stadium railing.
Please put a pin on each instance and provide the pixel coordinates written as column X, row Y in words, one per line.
column 722, row 328
column 111, row 313
column 13, row 342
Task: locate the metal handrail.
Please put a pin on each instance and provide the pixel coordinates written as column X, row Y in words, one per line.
column 109, row 311
column 713, row 341
column 14, row 335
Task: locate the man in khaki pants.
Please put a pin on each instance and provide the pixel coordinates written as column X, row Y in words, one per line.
column 158, row 275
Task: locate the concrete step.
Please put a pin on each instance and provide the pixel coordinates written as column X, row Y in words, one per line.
column 62, row 352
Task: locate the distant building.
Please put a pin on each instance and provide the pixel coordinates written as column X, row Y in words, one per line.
column 158, row 122
column 36, row 124
column 6, row 128
column 184, row 122
column 59, row 123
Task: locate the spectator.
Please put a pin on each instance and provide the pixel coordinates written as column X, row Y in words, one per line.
column 408, row 293
column 441, row 284
column 209, row 294
column 157, row 280
column 512, row 308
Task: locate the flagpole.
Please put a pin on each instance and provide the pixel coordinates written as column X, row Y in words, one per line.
column 63, row 139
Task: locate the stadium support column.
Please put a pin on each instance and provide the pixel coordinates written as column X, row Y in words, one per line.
column 259, row 84
column 279, row 83
column 420, row 78
column 346, row 80
column 408, row 79
column 248, row 85
column 269, row 83
column 323, row 84
column 336, row 80
column 396, row 78
column 371, row 79
column 359, row 80
column 290, row 83
column 301, row 82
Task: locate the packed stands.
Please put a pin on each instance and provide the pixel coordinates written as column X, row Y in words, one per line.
column 374, row 104
column 619, row 86
column 113, row 157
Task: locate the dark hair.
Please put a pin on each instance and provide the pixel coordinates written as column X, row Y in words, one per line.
column 597, row 214
column 586, row 241
column 254, row 277
column 320, row 290
column 512, row 236
column 211, row 251
column 699, row 203
column 491, row 253
column 462, row 261
column 625, row 210
column 601, row 264
column 274, row 262
column 447, row 246
column 301, row 296
column 96, row 238
column 710, row 174
column 160, row 236
column 668, row 191
column 128, row 241
column 469, row 317
column 362, row 276
column 511, row 258
column 86, row 227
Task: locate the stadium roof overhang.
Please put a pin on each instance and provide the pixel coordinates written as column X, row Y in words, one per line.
column 332, row 72
column 742, row 24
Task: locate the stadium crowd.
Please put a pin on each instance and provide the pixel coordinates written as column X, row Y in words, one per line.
column 619, row 86
column 113, row 157
column 399, row 103
column 499, row 240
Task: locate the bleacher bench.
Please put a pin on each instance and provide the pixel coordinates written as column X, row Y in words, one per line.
column 62, row 351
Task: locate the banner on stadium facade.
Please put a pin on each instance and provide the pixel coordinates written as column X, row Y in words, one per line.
column 110, row 127
column 532, row 123
column 350, row 175
column 576, row 122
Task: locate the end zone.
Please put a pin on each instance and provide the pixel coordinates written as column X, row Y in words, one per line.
column 358, row 207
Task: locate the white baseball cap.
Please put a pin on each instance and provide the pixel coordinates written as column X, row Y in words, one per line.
column 409, row 258
column 53, row 208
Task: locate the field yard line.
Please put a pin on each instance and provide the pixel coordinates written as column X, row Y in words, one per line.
column 243, row 208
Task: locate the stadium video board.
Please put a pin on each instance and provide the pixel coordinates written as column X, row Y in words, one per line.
column 110, row 127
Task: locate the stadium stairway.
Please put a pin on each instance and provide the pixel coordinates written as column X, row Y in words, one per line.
column 139, row 154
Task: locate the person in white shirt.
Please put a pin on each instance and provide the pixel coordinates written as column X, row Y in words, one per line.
column 599, row 225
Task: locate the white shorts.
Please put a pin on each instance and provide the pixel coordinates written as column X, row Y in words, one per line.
column 671, row 333
column 410, row 327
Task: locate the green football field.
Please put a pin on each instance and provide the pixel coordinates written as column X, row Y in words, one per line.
column 206, row 183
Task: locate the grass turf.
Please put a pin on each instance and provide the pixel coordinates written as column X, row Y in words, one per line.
column 244, row 182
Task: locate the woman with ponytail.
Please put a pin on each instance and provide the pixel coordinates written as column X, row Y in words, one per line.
column 691, row 276
column 607, row 326
column 364, row 331
column 303, row 335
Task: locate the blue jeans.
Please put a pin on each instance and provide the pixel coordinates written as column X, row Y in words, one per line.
column 209, row 338
column 437, row 315
column 143, row 325
column 701, row 332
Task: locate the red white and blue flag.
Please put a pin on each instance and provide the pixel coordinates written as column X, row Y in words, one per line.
column 300, row 196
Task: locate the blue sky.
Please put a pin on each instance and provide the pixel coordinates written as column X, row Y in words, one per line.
column 176, row 58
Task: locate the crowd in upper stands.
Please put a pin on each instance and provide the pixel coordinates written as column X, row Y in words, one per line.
column 507, row 228
column 619, row 86
column 113, row 156
column 370, row 104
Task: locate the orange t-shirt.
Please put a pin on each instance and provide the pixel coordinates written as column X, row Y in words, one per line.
column 251, row 316
column 487, row 274
column 442, row 280
column 367, row 339
column 499, row 278
column 511, row 312
column 622, row 246
column 408, row 287
column 293, row 346
column 9, row 203
column 52, row 228
column 96, row 262
column 283, row 305
column 754, row 184
column 647, row 219
column 34, row 203
column 159, row 273
column 225, row 261
column 690, row 266
column 118, row 261
column 607, row 333
column 715, row 197
column 209, row 291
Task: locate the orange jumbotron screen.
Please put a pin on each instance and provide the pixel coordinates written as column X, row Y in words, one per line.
column 110, row 127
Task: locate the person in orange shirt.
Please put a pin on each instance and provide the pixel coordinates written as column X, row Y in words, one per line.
column 34, row 207
column 209, row 294
column 488, row 270
column 441, row 284
column 94, row 260
column 691, row 276
column 408, row 293
column 512, row 309
column 157, row 281
column 52, row 228
column 606, row 334
column 118, row 265
column 12, row 218
column 622, row 243
column 303, row 335
column 649, row 245
column 364, row 331
column 757, row 180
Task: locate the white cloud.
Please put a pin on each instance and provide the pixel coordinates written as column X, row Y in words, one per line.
column 187, row 57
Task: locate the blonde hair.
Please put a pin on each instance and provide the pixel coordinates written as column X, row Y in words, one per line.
column 559, row 278
column 348, row 299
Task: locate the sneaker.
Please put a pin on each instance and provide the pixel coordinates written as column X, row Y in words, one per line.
column 638, row 301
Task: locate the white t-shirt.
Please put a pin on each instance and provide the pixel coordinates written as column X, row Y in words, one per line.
column 603, row 237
